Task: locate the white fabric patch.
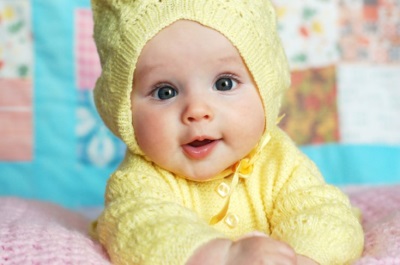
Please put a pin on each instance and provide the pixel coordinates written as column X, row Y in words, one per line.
column 369, row 103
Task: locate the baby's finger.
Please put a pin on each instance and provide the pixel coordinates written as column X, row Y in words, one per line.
column 254, row 233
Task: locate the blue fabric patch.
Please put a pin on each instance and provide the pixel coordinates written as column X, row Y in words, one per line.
column 356, row 164
column 64, row 171
column 56, row 173
column 96, row 145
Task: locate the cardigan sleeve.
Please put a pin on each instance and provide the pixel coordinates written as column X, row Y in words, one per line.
column 144, row 223
column 315, row 218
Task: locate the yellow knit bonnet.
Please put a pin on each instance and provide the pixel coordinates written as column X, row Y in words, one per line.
column 123, row 27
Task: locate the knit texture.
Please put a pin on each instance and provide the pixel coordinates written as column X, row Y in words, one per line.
column 381, row 214
column 34, row 232
column 154, row 217
column 122, row 28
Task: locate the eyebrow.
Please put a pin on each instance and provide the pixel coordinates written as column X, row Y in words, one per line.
column 148, row 68
column 229, row 59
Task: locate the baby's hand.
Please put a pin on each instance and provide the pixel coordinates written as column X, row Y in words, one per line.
column 251, row 249
column 260, row 250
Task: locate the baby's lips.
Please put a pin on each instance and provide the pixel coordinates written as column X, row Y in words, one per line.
column 198, row 143
column 199, row 150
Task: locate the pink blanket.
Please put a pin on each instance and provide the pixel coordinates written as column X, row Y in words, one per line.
column 42, row 233
column 380, row 207
column 38, row 233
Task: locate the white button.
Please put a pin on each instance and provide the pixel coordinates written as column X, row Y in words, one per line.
column 223, row 189
column 232, row 220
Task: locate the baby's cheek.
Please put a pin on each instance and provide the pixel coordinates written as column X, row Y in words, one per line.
column 140, row 131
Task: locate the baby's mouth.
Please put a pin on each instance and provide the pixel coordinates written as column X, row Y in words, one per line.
column 199, row 149
column 198, row 143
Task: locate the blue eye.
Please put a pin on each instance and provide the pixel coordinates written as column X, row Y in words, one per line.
column 225, row 84
column 164, row 93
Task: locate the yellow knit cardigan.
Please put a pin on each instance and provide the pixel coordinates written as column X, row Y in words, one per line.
column 152, row 217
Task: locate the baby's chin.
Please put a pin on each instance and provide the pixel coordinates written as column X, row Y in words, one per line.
column 204, row 176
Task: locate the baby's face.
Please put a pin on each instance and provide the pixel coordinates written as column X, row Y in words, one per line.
column 196, row 110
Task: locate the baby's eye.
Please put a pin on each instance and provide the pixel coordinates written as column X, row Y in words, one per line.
column 165, row 92
column 224, row 84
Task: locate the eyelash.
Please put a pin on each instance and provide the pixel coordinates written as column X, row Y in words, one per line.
column 226, row 75
column 232, row 76
column 158, row 86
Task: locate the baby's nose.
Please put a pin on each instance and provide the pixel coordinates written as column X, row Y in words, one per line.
column 197, row 110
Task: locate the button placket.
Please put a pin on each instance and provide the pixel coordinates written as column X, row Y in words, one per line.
column 223, row 189
column 232, row 220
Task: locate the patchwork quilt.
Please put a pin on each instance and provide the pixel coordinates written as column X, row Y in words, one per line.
column 343, row 110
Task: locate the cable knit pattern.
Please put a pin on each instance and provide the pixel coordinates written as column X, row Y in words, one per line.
column 154, row 217
column 122, row 28
column 34, row 232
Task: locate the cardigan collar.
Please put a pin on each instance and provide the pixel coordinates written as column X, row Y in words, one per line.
column 240, row 170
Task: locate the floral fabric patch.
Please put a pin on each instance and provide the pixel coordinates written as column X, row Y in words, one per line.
column 16, row 63
column 310, row 107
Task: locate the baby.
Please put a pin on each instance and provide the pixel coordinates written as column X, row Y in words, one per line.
column 193, row 87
